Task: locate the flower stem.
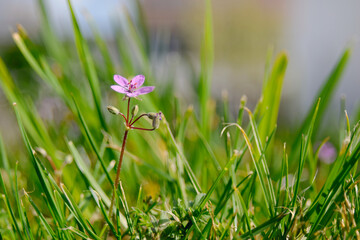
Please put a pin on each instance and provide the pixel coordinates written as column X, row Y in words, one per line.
column 128, row 109
column 142, row 115
column 117, row 179
column 144, row 129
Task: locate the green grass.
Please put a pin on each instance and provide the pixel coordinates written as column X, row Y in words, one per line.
column 189, row 179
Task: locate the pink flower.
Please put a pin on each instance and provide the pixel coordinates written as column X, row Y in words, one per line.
column 132, row 88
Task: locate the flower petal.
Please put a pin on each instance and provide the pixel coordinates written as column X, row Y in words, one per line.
column 119, row 89
column 132, row 94
column 138, row 80
column 144, row 90
column 121, row 80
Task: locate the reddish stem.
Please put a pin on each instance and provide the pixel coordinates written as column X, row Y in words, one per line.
column 145, row 129
column 117, row 179
column 142, row 115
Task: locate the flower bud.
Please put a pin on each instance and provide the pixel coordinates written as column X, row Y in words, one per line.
column 135, row 110
column 156, row 117
column 113, row 110
column 151, row 115
column 156, row 123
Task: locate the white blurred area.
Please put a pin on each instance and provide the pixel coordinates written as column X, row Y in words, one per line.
column 313, row 33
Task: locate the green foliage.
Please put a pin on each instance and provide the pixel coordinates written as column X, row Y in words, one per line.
column 180, row 181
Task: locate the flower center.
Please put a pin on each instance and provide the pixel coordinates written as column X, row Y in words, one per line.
column 132, row 87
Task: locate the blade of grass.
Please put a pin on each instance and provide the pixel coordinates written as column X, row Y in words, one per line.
column 335, row 188
column 271, row 97
column 207, row 59
column 85, row 172
column 88, row 65
column 325, row 93
column 59, row 218
column 92, row 142
column 259, row 229
column 257, row 167
column 4, row 159
column 188, row 169
column 72, row 206
column 41, row 216
column 100, row 204
column 303, row 152
column 20, row 207
column 216, row 182
column 260, row 156
column 9, row 209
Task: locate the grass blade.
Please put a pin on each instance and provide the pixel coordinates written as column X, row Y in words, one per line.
column 271, row 97
column 88, row 65
column 207, row 59
column 325, row 93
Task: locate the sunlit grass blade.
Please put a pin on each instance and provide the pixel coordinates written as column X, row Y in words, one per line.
column 37, row 61
column 188, row 169
column 30, row 116
column 136, row 39
column 87, row 175
column 3, row 156
column 142, row 24
column 51, row 41
column 20, row 207
column 325, row 93
column 9, row 208
column 303, row 152
column 271, row 97
column 263, row 226
column 259, row 169
column 100, row 204
column 59, row 217
column 216, row 182
column 88, row 65
column 41, row 216
column 336, row 185
column 104, row 50
column 227, row 228
column 125, row 206
column 73, row 207
column 239, row 120
column 92, row 142
column 207, row 59
column 260, row 157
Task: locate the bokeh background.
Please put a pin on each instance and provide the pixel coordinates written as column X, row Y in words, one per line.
column 313, row 33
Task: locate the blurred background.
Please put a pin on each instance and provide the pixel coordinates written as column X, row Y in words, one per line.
column 313, row 33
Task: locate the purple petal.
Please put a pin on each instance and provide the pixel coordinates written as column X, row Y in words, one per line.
column 144, row 90
column 119, row 89
column 138, row 80
column 121, row 81
column 132, row 94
